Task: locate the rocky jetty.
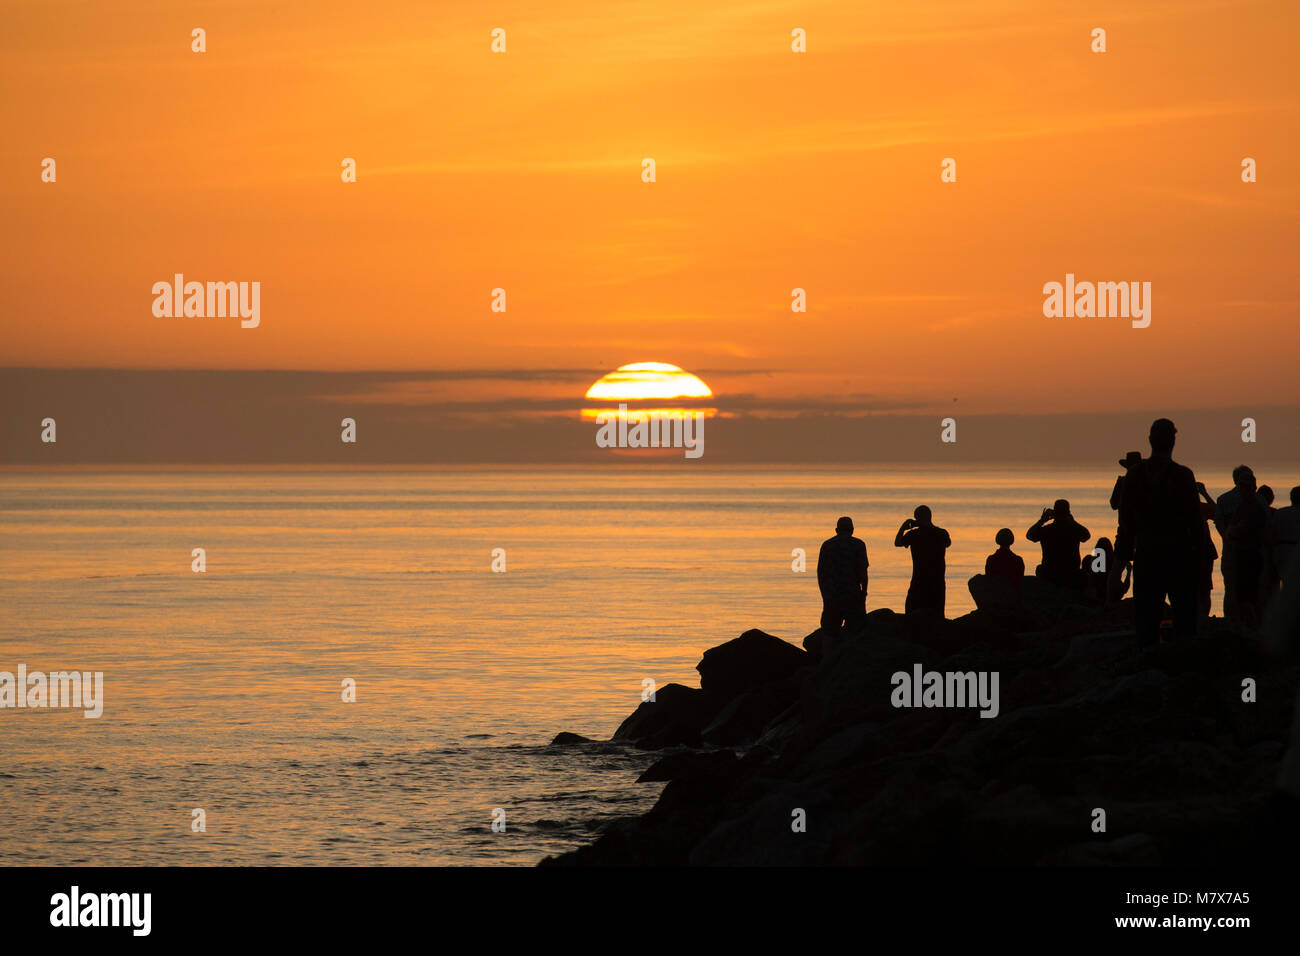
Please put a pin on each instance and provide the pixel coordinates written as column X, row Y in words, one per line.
column 783, row 756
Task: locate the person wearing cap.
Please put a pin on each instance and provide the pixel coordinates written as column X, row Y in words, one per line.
column 842, row 579
column 1117, row 493
column 1160, row 530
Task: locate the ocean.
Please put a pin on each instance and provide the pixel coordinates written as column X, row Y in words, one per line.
column 223, row 690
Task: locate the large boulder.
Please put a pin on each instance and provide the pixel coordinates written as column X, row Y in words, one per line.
column 745, row 718
column 674, row 718
column 1038, row 603
column 751, row 660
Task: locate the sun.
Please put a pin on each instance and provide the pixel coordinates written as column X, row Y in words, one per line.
column 648, row 380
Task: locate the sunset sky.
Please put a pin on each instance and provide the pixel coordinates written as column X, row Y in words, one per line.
column 775, row 170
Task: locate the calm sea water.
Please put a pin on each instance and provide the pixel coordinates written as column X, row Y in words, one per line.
column 223, row 689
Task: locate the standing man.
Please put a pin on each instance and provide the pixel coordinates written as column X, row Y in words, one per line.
column 842, row 579
column 1243, row 549
column 928, row 543
column 1161, row 529
column 1225, row 513
column 1285, row 534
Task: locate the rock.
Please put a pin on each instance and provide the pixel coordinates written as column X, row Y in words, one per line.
column 813, row 644
column 565, row 739
column 751, row 660
column 744, row 719
column 1036, row 606
column 763, row 835
column 692, row 764
column 1160, row 737
column 674, row 718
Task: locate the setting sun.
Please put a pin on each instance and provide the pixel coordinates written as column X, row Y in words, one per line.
column 649, row 380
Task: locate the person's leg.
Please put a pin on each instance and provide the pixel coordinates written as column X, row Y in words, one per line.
column 830, row 615
column 1227, row 567
column 832, row 618
column 855, row 617
column 1204, row 598
column 1249, row 567
column 1148, row 603
column 1183, row 603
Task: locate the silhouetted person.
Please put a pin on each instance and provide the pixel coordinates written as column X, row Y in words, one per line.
column 1285, row 535
column 1225, row 510
column 1004, row 563
column 1060, row 541
column 1209, row 553
column 928, row 542
column 1160, row 528
column 1280, row 634
column 1096, row 572
column 1268, row 579
column 1117, row 493
column 1243, row 549
column 842, row 579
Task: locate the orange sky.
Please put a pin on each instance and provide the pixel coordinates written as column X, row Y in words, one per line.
column 775, row 170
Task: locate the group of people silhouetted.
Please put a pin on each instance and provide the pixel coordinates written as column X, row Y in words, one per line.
column 1163, row 550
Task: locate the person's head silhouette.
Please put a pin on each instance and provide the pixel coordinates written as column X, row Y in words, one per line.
column 922, row 516
column 1243, row 479
column 1162, row 436
column 844, row 525
column 1266, row 493
column 1005, row 538
column 1061, row 509
column 1295, row 497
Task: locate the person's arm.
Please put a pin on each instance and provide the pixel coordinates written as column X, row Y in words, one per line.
column 1192, row 511
column 1205, row 494
column 902, row 529
column 823, row 572
column 1084, row 533
column 1116, row 586
column 1282, row 617
column 1117, row 493
column 862, row 570
column 1220, row 522
column 947, row 538
column 1035, row 530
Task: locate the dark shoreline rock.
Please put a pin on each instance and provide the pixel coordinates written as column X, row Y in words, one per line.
column 1159, row 738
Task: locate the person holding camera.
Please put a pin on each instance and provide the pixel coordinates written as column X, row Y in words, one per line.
column 927, row 542
column 1059, row 535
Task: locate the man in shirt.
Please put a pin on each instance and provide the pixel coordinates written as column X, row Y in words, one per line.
column 1225, row 512
column 842, row 579
column 927, row 543
column 1284, row 534
column 1161, row 529
column 1060, row 540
